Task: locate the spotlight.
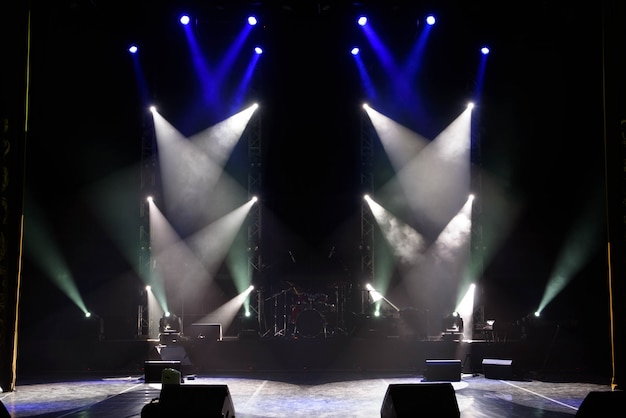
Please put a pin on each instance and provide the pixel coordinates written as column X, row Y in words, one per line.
column 430, row 20
column 184, row 19
column 362, row 21
column 354, row 51
column 169, row 329
column 133, row 49
column 452, row 323
column 484, row 50
column 258, row 50
column 252, row 20
column 375, row 295
column 87, row 314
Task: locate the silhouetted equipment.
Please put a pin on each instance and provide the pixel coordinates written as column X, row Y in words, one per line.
column 4, row 413
column 603, row 404
column 191, row 400
column 153, row 369
column 498, row 369
column 420, row 399
column 443, row 370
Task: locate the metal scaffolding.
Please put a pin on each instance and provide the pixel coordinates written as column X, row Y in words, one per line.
column 147, row 187
column 255, row 261
column 366, row 245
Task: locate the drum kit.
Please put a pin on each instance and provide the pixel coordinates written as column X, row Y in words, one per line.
column 300, row 314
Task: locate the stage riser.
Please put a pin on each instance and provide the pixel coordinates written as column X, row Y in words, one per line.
column 280, row 354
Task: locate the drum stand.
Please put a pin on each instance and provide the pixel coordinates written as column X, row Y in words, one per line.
column 282, row 331
column 340, row 303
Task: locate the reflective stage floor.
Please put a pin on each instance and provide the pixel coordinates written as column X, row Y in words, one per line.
column 320, row 394
column 338, row 377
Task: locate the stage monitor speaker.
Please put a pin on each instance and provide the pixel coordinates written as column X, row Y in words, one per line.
column 153, row 369
column 420, row 399
column 604, row 404
column 498, row 369
column 191, row 400
column 4, row 412
column 174, row 352
column 443, row 370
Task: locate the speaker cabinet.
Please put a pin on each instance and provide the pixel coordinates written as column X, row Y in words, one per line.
column 498, row 369
column 190, row 400
column 443, row 370
column 174, row 352
column 153, row 369
column 4, row 412
column 420, row 399
column 603, row 404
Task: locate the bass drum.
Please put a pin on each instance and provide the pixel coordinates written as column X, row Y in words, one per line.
column 310, row 323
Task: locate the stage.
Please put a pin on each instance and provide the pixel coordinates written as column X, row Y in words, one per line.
column 363, row 352
column 326, row 375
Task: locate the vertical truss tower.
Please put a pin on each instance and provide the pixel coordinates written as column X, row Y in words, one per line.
column 366, row 245
column 255, row 261
column 146, row 327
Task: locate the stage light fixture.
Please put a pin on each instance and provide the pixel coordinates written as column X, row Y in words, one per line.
column 258, row 50
column 484, row 50
column 354, row 51
column 430, row 20
column 362, row 20
column 184, row 19
column 133, row 49
column 170, row 323
column 252, row 20
column 452, row 323
column 376, row 296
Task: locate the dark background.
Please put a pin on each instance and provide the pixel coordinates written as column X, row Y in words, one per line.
column 537, row 139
